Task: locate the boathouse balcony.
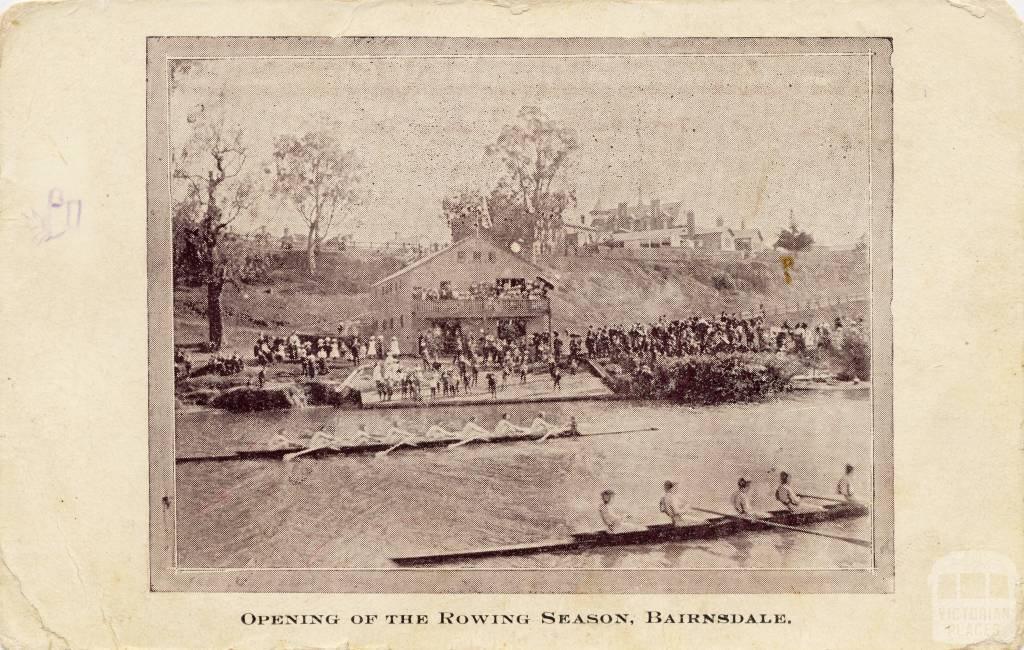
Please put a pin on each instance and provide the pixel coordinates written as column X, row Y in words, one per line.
column 482, row 308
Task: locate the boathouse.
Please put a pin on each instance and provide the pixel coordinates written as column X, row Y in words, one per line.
column 475, row 284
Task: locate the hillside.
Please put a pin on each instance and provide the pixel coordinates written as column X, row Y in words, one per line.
column 623, row 288
column 601, row 290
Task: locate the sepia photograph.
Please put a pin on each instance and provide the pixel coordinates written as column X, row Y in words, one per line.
column 500, row 315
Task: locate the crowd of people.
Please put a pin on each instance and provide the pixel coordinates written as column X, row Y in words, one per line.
column 700, row 335
column 497, row 290
column 454, row 361
column 318, row 352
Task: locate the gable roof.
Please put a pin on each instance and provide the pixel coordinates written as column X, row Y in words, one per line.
column 459, row 244
column 749, row 232
column 719, row 231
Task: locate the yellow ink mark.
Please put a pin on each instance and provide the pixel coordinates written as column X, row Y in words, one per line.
column 787, row 264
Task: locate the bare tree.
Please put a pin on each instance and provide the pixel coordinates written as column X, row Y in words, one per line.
column 529, row 200
column 211, row 189
column 320, row 180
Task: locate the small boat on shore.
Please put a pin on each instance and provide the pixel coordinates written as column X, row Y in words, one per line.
column 356, row 450
column 713, row 528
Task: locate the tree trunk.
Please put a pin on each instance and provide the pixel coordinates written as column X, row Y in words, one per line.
column 213, row 313
column 311, row 248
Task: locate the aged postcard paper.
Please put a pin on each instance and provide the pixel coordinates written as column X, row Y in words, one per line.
column 544, row 330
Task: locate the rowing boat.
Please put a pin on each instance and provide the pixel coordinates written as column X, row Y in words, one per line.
column 711, row 529
column 353, row 450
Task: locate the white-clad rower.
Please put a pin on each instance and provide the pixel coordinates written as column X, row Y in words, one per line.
column 362, row 437
column 281, row 439
column 614, row 520
column 397, row 435
column 472, row 431
column 741, row 500
column 787, row 496
column 437, row 432
column 323, row 438
column 506, row 428
column 543, row 428
column 674, row 505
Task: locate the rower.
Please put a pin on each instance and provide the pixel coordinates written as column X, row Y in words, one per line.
column 741, row 500
column 543, row 428
column 281, row 439
column 437, row 432
column 788, row 497
column 843, row 488
column 505, row 428
column 785, row 493
column 322, row 438
column 397, row 435
column 672, row 505
column 572, row 429
column 473, row 431
column 363, row 437
column 616, row 521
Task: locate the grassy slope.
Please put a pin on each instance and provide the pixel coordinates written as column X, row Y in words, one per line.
column 594, row 290
column 599, row 290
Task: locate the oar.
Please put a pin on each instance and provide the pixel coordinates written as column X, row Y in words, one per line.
column 612, row 433
column 294, row 455
column 852, row 540
column 815, row 496
column 464, row 442
column 381, row 454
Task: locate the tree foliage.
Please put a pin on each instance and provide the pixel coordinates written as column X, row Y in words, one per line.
column 793, row 239
column 464, row 210
column 528, row 200
column 211, row 189
column 321, row 181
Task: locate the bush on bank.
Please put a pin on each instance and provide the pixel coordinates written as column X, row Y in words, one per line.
column 706, row 379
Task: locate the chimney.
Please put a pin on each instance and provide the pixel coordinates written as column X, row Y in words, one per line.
column 691, row 223
column 621, row 217
column 720, row 222
column 656, row 214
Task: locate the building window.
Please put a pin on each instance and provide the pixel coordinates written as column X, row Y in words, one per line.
column 401, row 321
column 391, row 324
column 461, row 256
column 491, row 257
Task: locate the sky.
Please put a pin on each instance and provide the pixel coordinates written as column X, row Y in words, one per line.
column 750, row 139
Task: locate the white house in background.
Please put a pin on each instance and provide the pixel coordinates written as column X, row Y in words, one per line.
column 749, row 239
column 667, row 225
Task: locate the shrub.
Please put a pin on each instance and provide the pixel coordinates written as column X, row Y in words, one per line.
column 708, row 379
column 723, row 282
column 854, row 357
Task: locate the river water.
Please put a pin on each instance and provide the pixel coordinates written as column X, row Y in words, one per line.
column 348, row 512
